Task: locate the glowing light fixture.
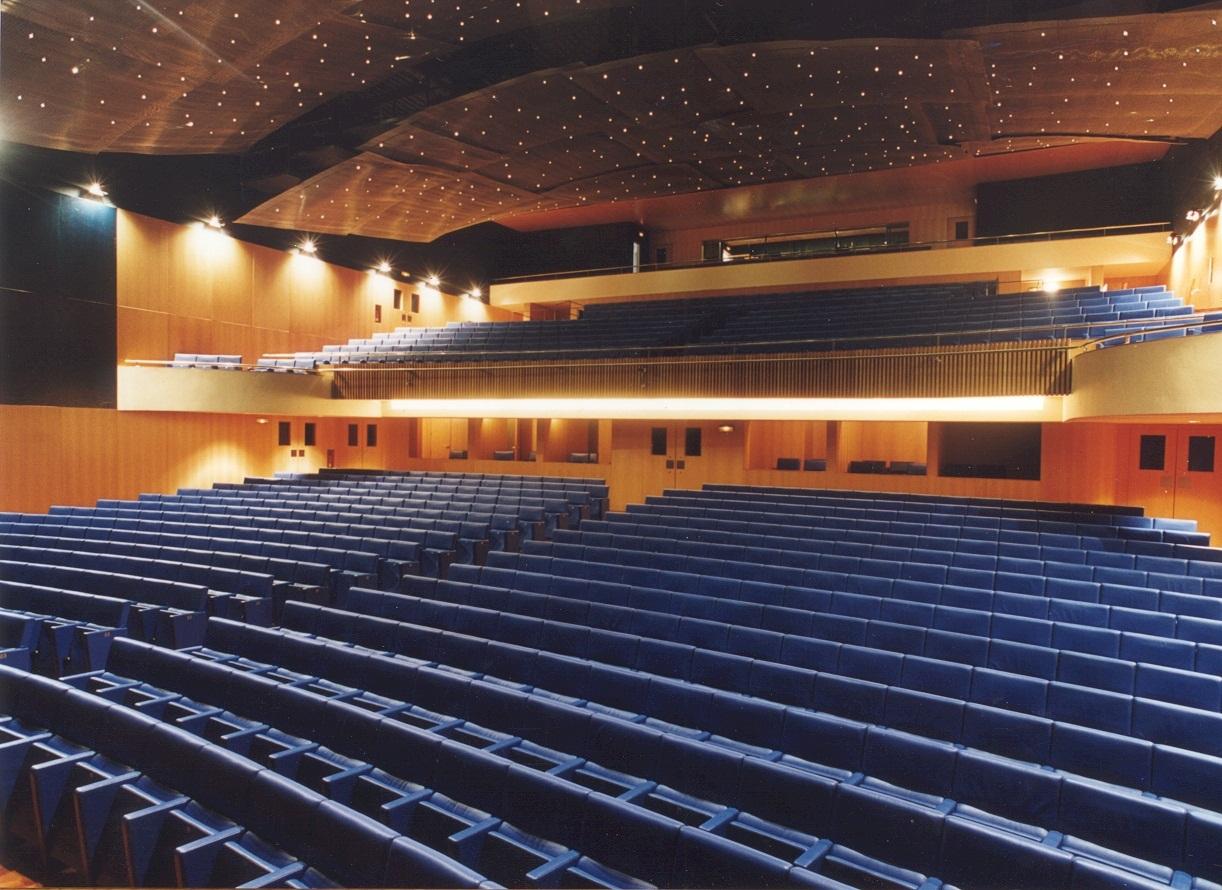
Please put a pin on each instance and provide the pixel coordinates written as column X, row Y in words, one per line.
column 95, row 188
column 1218, row 183
column 383, row 267
column 951, row 408
column 1052, row 287
column 725, row 428
column 476, row 292
column 214, row 222
column 308, row 246
column 433, row 281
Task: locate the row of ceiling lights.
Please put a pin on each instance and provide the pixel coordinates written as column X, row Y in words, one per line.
column 308, row 245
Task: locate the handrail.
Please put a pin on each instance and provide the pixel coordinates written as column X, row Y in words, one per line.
column 1196, row 319
column 1058, row 332
column 979, row 241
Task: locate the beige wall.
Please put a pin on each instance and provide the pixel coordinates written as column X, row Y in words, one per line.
column 1195, row 272
column 192, row 289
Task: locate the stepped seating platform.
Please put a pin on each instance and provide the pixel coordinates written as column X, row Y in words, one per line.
column 863, row 318
column 736, row 686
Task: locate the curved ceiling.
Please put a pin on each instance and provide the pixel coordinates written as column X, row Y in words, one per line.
column 721, row 117
column 201, row 76
column 229, row 76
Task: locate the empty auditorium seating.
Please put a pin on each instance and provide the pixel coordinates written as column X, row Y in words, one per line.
column 863, row 318
column 734, row 686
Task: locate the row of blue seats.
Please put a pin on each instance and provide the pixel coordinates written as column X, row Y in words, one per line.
column 217, row 362
column 287, row 556
column 170, row 612
column 230, row 592
column 593, row 485
column 493, row 786
column 1023, row 594
column 1145, row 556
column 1136, row 664
column 489, row 513
column 435, row 550
column 1004, row 573
column 949, row 503
column 76, row 629
column 1018, row 711
column 1007, row 515
column 88, row 819
column 331, row 837
column 1093, row 536
column 912, row 832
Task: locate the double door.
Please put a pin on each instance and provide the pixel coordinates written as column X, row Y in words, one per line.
column 1175, row 470
column 650, row 456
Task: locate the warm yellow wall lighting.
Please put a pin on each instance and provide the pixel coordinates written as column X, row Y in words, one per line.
column 1013, row 408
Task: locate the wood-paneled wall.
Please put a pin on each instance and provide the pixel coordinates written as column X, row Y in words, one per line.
column 193, row 289
column 77, row 455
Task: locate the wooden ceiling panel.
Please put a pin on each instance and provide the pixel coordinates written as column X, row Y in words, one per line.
column 118, row 75
column 671, row 90
column 520, row 114
column 461, row 22
column 372, row 195
column 1136, row 75
column 752, row 114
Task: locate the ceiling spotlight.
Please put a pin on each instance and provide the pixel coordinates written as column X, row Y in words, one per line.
column 95, row 188
column 476, row 292
column 383, row 267
column 1192, row 215
column 214, row 222
column 1218, row 183
column 307, row 245
column 433, row 281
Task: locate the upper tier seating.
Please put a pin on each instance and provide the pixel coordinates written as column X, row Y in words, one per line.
column 735, row 686
column 925, row 315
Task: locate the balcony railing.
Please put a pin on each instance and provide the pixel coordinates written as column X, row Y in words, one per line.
column 1057, row 235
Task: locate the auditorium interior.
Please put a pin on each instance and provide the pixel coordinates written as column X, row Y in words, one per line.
column 611, row 443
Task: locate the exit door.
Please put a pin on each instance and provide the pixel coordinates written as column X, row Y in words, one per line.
column 672, row 447
column 1174, row 471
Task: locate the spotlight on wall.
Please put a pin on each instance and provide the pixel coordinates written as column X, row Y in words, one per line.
column 725, row 428
column 261, row 420
column 214, row 222
column 1218, row 183
column 1052, row 287
column 95, row 188
column 433, row 281
column 1192, row 215
column 307, row 246
column 383, row 267
column 476, row 293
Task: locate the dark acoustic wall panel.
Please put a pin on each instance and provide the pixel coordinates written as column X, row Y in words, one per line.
column 57, row 299
column 1114, row 196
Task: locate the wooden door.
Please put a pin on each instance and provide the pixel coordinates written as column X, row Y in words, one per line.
column 1198, row 476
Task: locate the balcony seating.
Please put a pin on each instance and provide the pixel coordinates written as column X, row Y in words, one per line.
column 865, row 318
column 734, row 686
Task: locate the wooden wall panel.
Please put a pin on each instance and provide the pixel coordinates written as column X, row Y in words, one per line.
column 191, row 289
column 1195, row 272
column 77, row 455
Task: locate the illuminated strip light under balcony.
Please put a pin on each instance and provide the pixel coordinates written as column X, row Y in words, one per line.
column 1001, row 408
